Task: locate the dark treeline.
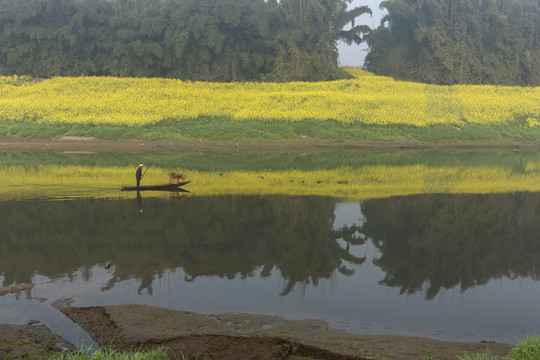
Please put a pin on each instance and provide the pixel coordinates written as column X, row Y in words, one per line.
column 458, row 41
column 214, row 40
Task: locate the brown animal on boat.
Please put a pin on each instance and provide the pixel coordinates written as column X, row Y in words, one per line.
column 175, row 178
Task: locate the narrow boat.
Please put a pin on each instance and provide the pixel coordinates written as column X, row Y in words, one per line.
column 162, row 187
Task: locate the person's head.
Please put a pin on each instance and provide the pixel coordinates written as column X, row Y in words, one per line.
column 141, row 165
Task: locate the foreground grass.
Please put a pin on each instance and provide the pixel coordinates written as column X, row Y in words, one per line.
column 158, row 354
column 528, row 349
column 367, row 107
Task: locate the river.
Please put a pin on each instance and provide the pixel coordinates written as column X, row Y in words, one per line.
column 457, row 260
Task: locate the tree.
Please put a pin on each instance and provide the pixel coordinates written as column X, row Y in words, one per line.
column 459, row 41
column 219, row 40
column 213, row 40
column 307, row 37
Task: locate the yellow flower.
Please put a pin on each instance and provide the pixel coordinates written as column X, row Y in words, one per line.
column 365, row 99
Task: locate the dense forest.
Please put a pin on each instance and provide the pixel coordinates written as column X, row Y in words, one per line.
column 214, row 40
column 433, row 41
column 458, row 42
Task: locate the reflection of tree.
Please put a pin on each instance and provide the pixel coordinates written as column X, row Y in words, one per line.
column 316, row 256
column 226, row 236
column 448, row 240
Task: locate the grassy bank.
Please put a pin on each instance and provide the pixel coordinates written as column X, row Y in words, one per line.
column 527, row 349
column 158, row 354
column 215, row 128
column 367, row 107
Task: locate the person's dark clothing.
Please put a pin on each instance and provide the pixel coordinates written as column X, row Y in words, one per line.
column 138, row 175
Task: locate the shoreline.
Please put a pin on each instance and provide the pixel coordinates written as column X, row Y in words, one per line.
column 88, row 145
column 234, row 336
column 226, row 336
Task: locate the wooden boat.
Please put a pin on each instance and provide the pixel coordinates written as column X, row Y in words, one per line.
column 161, row 187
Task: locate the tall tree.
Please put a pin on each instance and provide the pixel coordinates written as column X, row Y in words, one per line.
column 219, row 40
column 458, row 41
column 307, row 37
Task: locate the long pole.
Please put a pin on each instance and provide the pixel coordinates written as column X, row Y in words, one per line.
column 148, row 167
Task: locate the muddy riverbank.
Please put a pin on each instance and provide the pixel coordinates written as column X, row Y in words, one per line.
column 227, row 336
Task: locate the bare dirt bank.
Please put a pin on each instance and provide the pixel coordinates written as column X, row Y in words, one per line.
column 31, row 341
column 225, row 336
column 248, row 336
column 72, row 144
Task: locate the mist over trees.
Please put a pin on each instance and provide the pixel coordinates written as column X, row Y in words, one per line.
column 458, row 42
column 214, row 40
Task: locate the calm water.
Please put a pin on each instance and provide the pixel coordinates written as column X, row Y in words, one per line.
column 453, row 267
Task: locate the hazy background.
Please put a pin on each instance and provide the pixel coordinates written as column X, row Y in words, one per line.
column 355, row 54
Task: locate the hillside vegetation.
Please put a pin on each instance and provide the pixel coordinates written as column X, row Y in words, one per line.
column 431, row 41
column 365, row 107
column 458, row 42
column 211, row 40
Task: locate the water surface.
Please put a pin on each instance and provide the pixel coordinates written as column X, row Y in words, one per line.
column 453, row 266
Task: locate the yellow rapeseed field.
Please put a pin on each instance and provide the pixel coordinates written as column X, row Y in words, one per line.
column 345, row 183
column 366, row 99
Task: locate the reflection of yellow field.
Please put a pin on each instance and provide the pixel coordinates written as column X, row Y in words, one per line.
column 366, row 99
column 348, row 184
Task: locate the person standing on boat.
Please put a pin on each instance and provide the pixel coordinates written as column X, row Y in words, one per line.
column 139, row 174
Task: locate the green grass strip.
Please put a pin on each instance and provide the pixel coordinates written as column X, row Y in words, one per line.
column 224, row 129
column 100, row 354
column 527, row 349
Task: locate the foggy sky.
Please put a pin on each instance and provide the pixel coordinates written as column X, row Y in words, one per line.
column 355, row 54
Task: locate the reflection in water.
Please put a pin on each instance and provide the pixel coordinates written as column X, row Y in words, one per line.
column 231, row 247
column 176, row 194
column 425, row 243
column 386, row 260
column 447, row 241
column 139, row 201
column 349, row 176
column 224, row 236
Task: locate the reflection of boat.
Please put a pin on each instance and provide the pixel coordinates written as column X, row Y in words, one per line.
column 162, row 187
